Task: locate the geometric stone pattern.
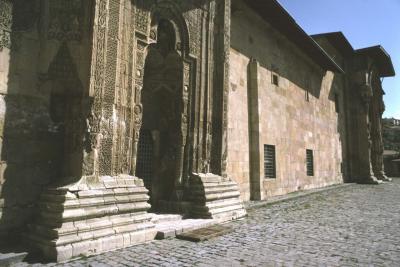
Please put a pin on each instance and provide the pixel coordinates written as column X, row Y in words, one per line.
column 323, row 229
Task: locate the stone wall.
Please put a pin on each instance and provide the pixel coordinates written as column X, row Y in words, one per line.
column 286, row 118
column 238, row 121
column 30, row 143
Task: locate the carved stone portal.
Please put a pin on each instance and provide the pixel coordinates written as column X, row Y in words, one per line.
column 164, row 113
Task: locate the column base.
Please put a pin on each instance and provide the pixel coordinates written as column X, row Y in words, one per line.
column 215, row 197
column 85, row 219
column 385, row 178
column 369, row 180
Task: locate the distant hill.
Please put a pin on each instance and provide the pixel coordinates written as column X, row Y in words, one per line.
column 391, row 135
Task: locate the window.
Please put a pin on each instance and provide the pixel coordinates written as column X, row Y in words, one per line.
column 275, row 79
column 269, row 162
column 308, row 88
column 337, row 107
column 310, row 162
column 307, row 96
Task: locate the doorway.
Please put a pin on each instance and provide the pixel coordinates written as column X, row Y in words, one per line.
column 160, row 142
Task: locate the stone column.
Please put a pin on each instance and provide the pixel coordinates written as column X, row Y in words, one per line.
column 363, row 135
column 376, row 111
column 221, row 87
column 254, row 128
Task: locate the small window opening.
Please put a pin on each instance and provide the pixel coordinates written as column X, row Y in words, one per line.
column 310, row 162
column 275, row 79
column 307, row 96
column 269, row 162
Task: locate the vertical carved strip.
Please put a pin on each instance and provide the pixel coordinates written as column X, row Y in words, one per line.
column 138, row 109
column 108, row 112
column 186, row 85
column 90, row 162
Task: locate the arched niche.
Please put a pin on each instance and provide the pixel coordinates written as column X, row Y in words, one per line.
column 67, row 120
column 165, row 101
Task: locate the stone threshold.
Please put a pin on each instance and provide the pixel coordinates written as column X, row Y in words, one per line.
column 253, row 205
column 170, row 225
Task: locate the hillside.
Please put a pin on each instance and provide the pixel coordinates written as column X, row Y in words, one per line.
column 391, row 137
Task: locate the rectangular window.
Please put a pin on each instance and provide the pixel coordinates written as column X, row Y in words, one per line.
column 269, row 162
column 275, row 79
column 307, row 96
column 310, row 162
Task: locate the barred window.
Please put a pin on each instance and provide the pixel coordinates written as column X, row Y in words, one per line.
column 275, row 79
column 144, row 162
column 269, row 161
column 310, row 162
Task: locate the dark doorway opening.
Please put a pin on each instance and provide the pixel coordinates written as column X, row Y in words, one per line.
column 159, row 147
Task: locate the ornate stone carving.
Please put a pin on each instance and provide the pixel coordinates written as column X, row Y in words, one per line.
column 65, row 20
column 5, row 23
column 94, row 136
column 193, row 19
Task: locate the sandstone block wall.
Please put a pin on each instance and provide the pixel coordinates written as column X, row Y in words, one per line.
column 287, row 119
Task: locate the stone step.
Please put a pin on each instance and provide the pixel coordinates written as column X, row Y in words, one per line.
column 217, row 204
column 12, row 258
column 53, row 196
column 89, row 235
column 213, row 212
column 215, row 190
column 161, row 218
column 98, row 244
column 85, row 226
column 229, row 216
column 211, row 184
column 93, row 212
column 91, row 202
column 215, row 196
column 207, row 178
column 173, row 228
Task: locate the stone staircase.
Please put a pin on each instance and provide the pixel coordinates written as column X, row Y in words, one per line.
column 81, row 221
column 214, row 197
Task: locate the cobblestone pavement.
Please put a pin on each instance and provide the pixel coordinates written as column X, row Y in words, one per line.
column 357, row 225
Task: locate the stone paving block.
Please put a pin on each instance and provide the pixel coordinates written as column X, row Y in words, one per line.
column 356, row 225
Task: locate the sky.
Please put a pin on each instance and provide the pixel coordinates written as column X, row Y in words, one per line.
column 365, row 23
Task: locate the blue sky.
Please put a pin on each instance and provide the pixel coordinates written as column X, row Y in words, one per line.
column 364, row 23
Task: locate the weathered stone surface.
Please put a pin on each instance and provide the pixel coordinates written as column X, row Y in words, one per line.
column 70, row 222
column 300, row 232
column 94, row 93
column 215, row 197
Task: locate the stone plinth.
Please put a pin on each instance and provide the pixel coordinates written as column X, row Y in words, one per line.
column 82, row 220
column 215, row 197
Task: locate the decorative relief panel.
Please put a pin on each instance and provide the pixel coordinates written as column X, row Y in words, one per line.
column 141, row 14
column 5, row 23
column 193, row 20
column 66, row 18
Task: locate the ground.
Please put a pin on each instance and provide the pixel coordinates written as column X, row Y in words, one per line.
column 356, row 225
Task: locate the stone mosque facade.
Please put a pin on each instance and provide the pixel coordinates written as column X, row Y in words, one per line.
column 114, row 110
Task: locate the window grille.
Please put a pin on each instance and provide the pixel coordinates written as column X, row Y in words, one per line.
column 144, row 166
column 275, row 79
column 310, row 162
column 269, row 161
column 307, row 95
